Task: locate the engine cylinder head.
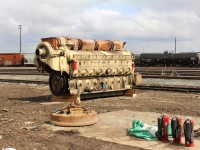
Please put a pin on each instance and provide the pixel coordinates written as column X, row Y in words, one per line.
column 99, row 72
column 115, row 71
column 128, row 70
column 76, row 73
column 79, row 83
column 72, row 84
column 91, row 72
column 109, row 71
column 84, row 73
column 121, row 70
column 88, row 83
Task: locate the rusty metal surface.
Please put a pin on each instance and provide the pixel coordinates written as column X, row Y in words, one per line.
column 118, row 45
column 73, row 116
column 88, row 45
column 85, row 45
column 73, row 43
column 105, row 45
column 52, row 40
column 11, row 59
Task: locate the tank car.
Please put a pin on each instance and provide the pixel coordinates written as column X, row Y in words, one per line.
column 186, row 59
column 175, row 59
column 151, row 59
column 78, row 66
column 136, row 59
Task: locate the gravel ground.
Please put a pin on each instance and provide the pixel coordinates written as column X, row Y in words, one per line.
column 23, row 117
column 26, row 77
column 171, row 82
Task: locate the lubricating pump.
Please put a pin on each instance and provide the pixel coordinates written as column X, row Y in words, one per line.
column 162, row 133
column 189, row 132
column 176, row 129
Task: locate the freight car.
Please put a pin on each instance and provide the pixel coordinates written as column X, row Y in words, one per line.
column 174, row 59
column 187, row 59
column 17, row 59
column 11, row 59
column 136, row 59
column 78, row 66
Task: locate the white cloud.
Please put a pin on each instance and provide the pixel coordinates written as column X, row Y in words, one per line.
column 150, row 25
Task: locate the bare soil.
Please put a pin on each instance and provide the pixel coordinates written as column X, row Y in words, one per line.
column 22, row 115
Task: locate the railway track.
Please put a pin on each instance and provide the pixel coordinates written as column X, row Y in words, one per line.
column 167, row 67
column 171, row 88
column 24, row 73
column 20, row 71
column 170, row 72
column 142, row 87
column 146, row 74
column 171, row 77
column 24, row 81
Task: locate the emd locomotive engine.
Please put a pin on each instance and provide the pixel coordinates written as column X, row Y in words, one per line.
column 79, row 66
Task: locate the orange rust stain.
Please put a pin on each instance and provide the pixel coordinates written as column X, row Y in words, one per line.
column 11, row 59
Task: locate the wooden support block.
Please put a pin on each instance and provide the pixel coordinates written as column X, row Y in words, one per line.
column 138, row 78
column 131, row 92
column 66, row 98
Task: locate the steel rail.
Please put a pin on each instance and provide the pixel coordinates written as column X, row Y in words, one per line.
column 169, row 88
column 172, row 77
column 23, row 81
column 24, row 73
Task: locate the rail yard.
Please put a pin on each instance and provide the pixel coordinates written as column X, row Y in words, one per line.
column 26, row 105
column 90, row 92
column 100, row 75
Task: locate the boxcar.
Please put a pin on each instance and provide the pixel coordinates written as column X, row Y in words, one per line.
column 11, row 59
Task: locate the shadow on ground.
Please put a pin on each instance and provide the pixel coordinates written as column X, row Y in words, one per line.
column 45, row 98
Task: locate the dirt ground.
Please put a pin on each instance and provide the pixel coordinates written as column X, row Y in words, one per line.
column 22, row 115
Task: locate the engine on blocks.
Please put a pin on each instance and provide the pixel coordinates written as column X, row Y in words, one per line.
column 79, row 67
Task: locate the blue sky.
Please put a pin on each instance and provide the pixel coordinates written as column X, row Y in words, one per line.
column 145, row 25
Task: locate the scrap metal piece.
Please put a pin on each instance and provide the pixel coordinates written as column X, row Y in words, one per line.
column 73, row 116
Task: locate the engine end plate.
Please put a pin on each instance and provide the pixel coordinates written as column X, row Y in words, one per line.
column 73, row 116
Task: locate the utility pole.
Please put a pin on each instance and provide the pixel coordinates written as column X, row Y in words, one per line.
column 175, row 44
column 20, row 37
